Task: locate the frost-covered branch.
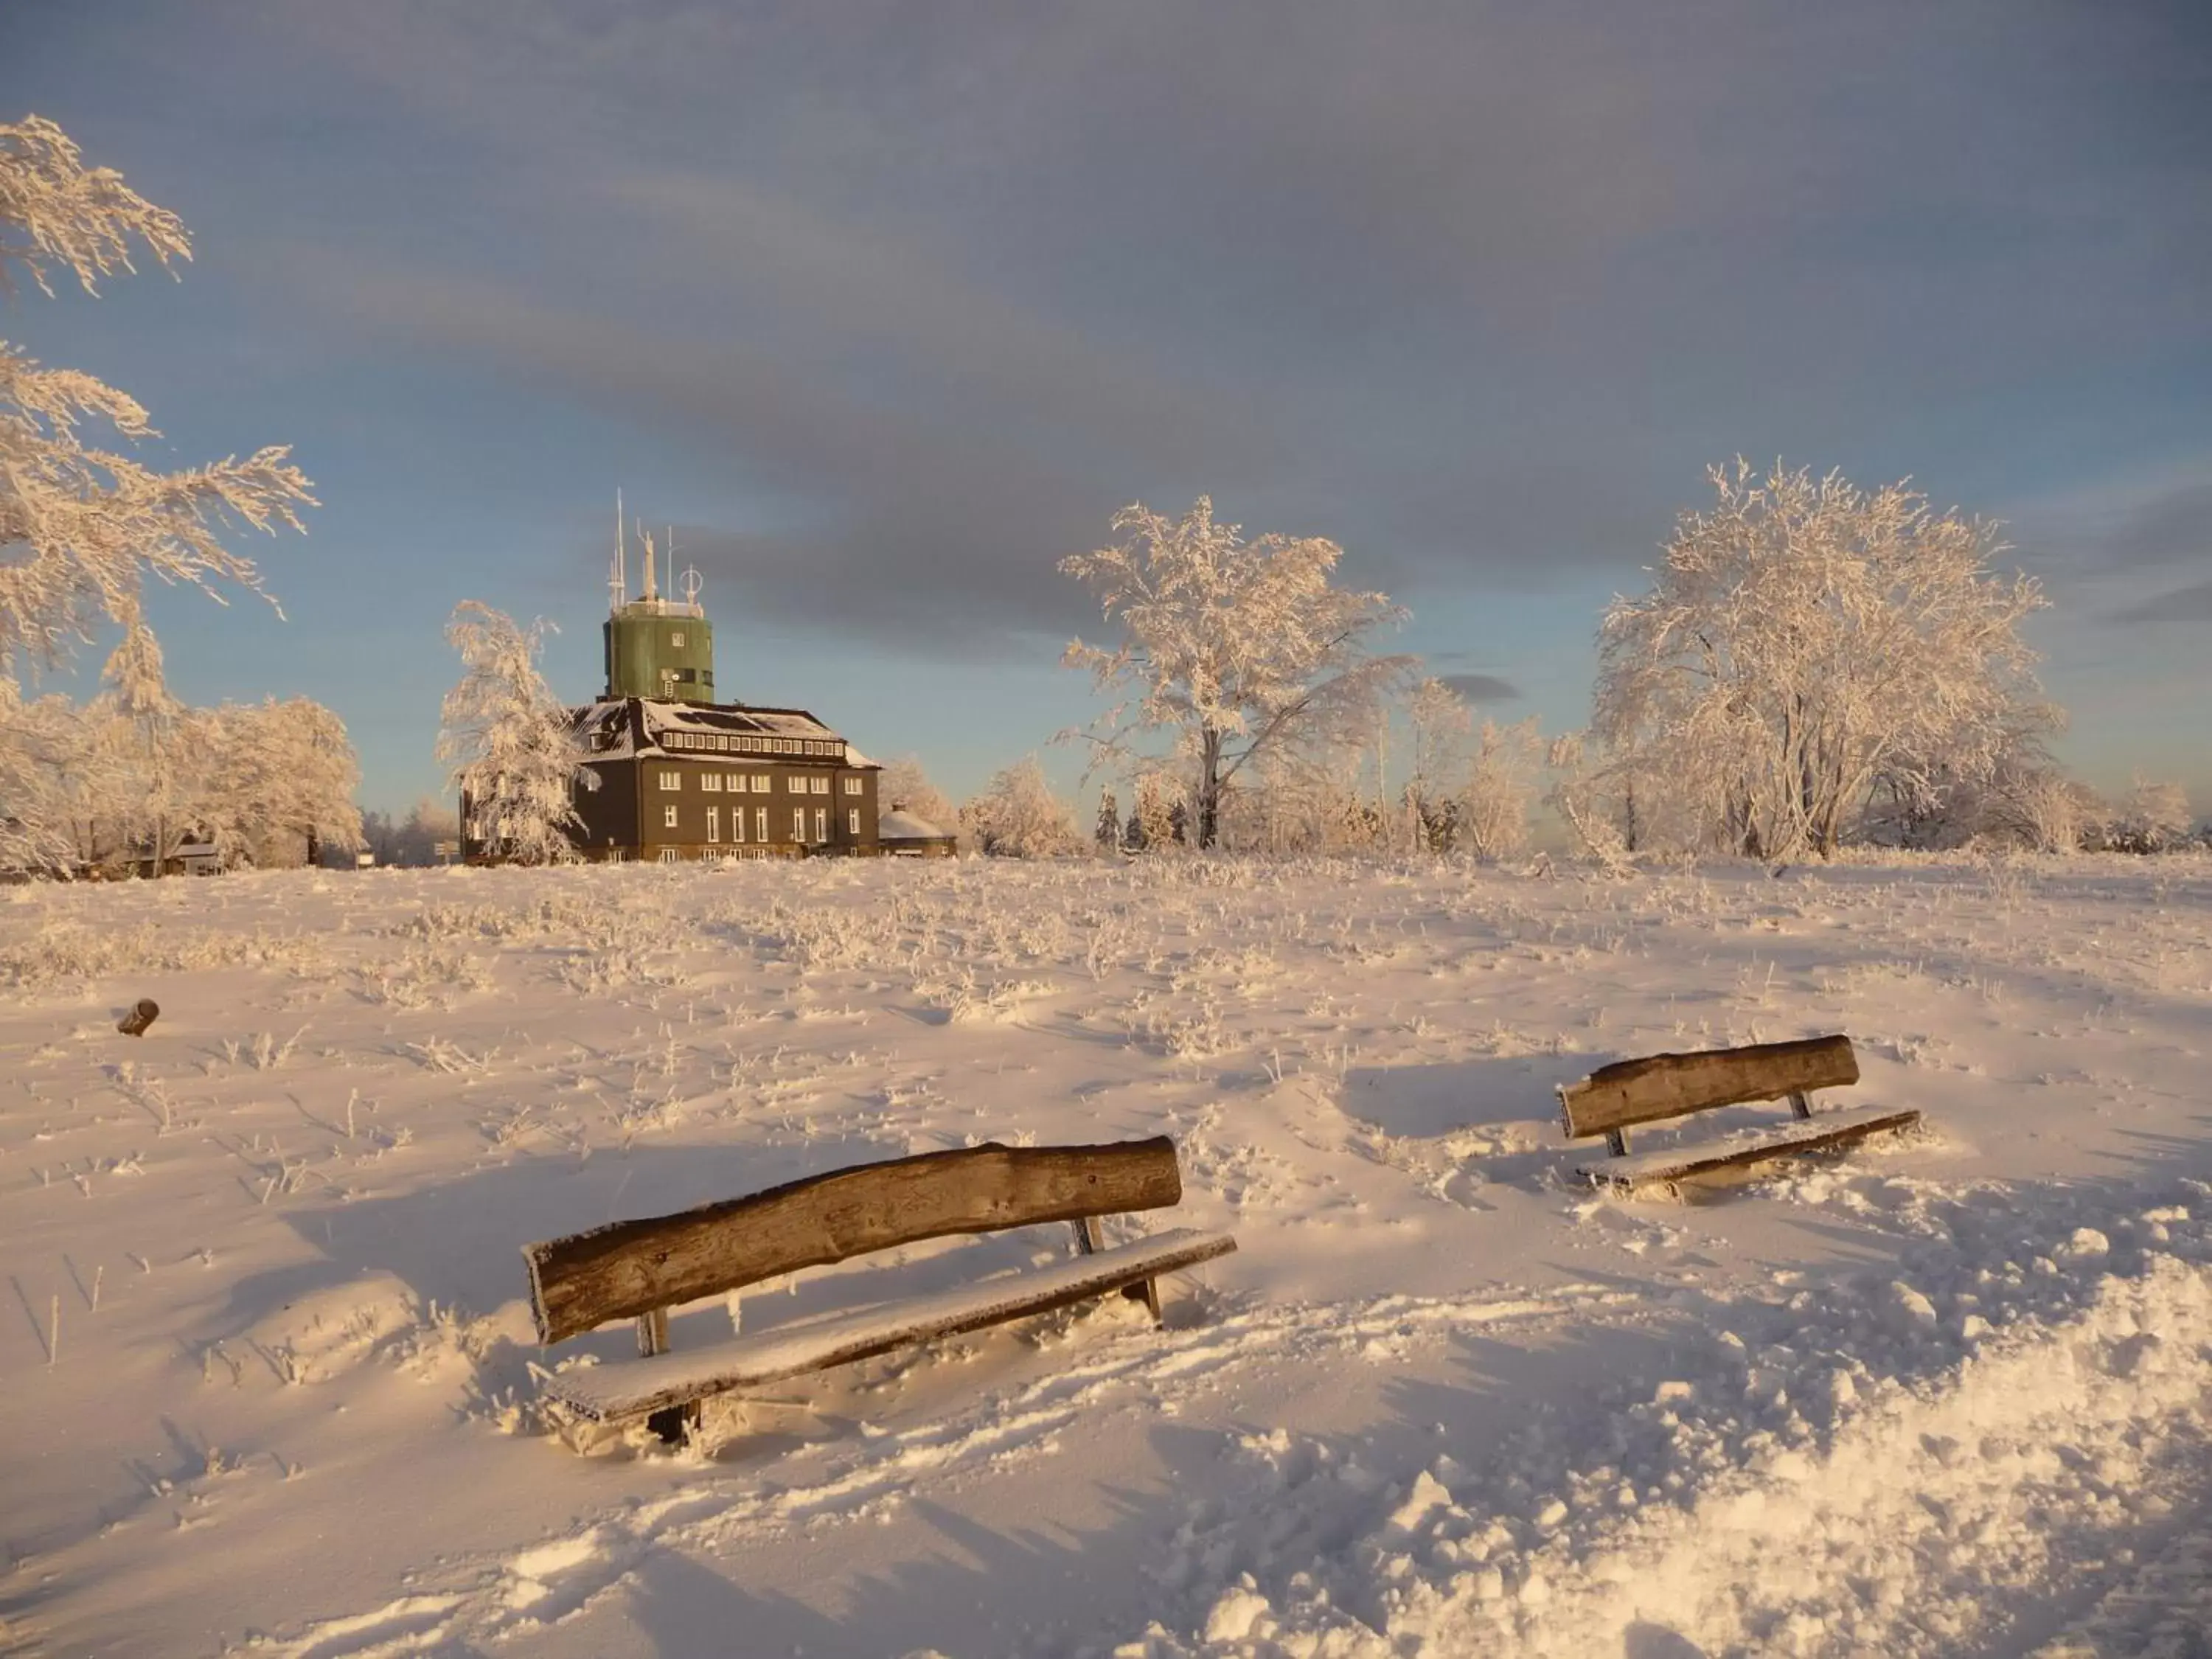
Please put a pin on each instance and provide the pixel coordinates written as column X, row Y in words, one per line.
column 81, row 525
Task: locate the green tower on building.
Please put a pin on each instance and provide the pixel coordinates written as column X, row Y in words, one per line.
column 657, row 648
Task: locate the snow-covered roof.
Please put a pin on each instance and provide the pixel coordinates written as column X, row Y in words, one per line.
column 898, row 824
column 633, row 726
column 707, row 717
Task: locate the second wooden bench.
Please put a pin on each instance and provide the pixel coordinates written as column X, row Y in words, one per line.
column 1615, row 1098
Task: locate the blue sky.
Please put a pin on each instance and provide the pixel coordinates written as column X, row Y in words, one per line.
column 885, row 308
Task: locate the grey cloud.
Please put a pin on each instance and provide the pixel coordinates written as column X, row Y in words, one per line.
column 1482, row 688
column 936, row 538
column 2176, row 525
column 1477, row 290
column 2192, row 603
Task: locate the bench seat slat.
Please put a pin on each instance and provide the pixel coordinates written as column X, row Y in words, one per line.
column 636, row 1388
column 1821, row 1130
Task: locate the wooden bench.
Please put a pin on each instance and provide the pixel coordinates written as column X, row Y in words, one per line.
column 1615, row 1098
column 640, row 1269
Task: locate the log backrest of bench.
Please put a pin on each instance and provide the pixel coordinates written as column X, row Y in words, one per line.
column 631, row 1268
column 1631, row 1091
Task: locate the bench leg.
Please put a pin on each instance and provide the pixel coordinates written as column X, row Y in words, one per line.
column 1799, row 1106
column 673, row 1424
column 1616, row 1142
column 653, row 1333
column 1146, row 1290
column 1086, row 1234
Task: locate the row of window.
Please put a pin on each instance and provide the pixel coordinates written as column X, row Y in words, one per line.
column 722, row 744
column 716, row 783
column 798, row 823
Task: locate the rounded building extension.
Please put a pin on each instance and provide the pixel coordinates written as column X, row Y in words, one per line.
column 903, row 834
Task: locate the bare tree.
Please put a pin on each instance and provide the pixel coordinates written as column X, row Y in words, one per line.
column 510, row 742
column 1233, row 647
column 1804, row 640
column 82, row 527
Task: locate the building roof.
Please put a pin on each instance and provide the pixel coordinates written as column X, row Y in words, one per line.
column 639, row 726
column 899, row 824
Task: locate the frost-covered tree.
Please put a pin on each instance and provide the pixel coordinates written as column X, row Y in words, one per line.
column 429, row 825
column 510, row 742
column 904, row 783
column 1106, row 834
column 1151, row 826
column 1501, row 787
column 1017, row 816
column 61, row 784
column 1805, row 641
column 1443, row 736
column 81, row 525
column 1231, row 647
column 413, row 841
column 283, row 778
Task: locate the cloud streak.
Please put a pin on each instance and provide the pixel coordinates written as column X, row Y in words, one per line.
column 1479, row 688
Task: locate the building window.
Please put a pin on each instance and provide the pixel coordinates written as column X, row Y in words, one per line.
column 668, row 817
column 737, row 823
column 713, row 824
column 852, row 821
column 795, row 783
column 798, row 824
column 671, row 780
column 851, row 786
column 676, row 637
column 821, row 824
column 669, row 855
column 760, row 783
column 711, row 782
column 760, row 823
column 735, row 783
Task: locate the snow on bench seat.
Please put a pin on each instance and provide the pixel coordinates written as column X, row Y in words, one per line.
column 636, row 1388
column 1820, row 1131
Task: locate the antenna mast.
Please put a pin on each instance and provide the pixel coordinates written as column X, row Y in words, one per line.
column 619, row 581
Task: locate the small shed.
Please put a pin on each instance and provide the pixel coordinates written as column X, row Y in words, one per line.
column 903, row 834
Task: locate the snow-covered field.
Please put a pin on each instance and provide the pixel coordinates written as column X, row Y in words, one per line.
column 265, row 1362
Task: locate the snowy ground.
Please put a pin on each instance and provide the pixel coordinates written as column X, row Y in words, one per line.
column 266, row 1365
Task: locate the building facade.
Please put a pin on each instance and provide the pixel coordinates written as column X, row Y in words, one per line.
column 689, row 781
